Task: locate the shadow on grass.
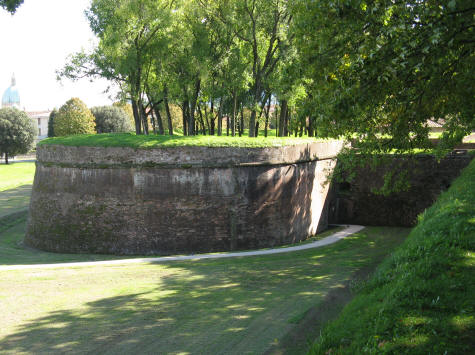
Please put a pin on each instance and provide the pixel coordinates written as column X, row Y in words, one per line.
column 236, row 306
column 14, row 200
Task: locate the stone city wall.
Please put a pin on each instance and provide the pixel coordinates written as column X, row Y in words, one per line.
column 177, row 200
column 354, row 202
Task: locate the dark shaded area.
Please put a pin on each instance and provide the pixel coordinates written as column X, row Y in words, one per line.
column 354, row 202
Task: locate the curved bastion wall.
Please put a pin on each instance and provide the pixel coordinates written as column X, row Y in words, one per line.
column 177, row 200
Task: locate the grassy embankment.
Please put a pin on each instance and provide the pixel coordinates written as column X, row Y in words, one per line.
column 421, row 299
column 158, row 141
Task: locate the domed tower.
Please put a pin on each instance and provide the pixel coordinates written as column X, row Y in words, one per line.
column 11, row 97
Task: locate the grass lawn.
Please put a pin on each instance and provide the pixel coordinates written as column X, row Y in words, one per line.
column 164, row 141
column 16, row 174
column 232, row 306
column 421, row 299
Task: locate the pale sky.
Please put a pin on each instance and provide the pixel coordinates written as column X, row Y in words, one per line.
column 35, row 42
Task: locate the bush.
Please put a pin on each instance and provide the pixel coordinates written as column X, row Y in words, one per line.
column 73, row 118
column 111, row 119
column 51, row 123
column 17, row 132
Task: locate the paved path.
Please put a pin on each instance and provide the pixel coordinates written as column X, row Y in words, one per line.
column 350, row 229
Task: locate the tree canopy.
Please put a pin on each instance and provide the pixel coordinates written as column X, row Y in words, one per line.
column 372, row 71
column 10, row 5
column 73, row 118
column 17, row 132
column 379, row 70
column 111, row 119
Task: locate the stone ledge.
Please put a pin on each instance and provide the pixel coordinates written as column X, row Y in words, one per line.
column 185, row 157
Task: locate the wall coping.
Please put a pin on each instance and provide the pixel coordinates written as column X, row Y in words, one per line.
column 185, row 157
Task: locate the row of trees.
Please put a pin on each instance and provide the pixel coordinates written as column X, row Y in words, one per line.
column 201, row 55
column 74, row 117
column 362, row 69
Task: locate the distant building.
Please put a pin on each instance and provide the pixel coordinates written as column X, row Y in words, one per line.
column 41, row 118
column 11, row 98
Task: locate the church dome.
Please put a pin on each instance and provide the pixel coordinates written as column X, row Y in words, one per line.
column 11, row 97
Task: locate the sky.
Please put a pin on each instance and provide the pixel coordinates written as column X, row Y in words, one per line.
column 35, row 42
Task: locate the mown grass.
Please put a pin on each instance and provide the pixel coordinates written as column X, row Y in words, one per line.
column 16, row 174
column 164, row 141
column 229, row 306
column 421, row 299
column 14, row 200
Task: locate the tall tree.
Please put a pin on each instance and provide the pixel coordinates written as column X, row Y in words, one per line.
column 17, row 132
column 381, row 69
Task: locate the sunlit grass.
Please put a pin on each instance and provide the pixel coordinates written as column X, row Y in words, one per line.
column 232, row 306
column 164, row 141
column 16, row 174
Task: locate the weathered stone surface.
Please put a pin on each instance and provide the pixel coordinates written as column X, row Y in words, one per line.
column 355, row 203
column 85, row 201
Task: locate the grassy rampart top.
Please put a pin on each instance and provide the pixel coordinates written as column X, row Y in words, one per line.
column 157, row 141
column 420, row 301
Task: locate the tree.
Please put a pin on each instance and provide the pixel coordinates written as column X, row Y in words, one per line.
column 110, row 119
column 73, row 118
column 17, row 132
column 380, row 70
column 10, row 5
column 51, row 123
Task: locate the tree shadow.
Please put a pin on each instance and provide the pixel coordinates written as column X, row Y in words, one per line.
column 220, row 306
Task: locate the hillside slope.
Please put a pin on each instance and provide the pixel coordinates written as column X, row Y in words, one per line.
column 421, row 299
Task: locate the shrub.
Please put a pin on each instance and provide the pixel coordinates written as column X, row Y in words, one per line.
column 51, row 123
column 111, row 119
column 73, row 118
column 17, row 132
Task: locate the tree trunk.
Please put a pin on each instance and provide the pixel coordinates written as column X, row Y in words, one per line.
column 310, row 126
column 241, row 125
column 6, row 158
column 144, row 118
column 233, row 118
column 167, row 109
column 212, row 128
column 207, row 118
column 191, row 117
column 137, row 118
column 185, row 117
column 282, row 118
column 220, row 117
column 159, row 120
column 154, row 125
column 267, row 116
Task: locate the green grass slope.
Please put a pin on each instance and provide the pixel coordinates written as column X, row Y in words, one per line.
column 164, row 141
column 421, row 300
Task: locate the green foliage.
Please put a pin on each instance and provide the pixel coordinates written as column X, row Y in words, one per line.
column 158, row 141
column 420, row 300
column 17, row 132
column 111, row 119
column 379, row 70
column 10, row 5
column 51, row 123
column 73, row 118
column 16, row 174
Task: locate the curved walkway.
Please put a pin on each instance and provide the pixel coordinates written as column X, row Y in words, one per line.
column 349, row 230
